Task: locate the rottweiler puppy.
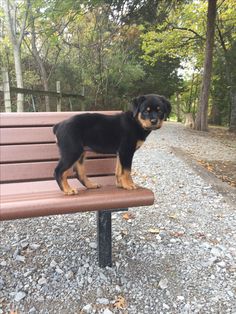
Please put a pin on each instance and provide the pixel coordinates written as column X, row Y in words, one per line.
column 120, row 134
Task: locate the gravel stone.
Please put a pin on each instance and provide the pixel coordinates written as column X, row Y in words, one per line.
column 19, row 296
column 107, row 311
column 163, row 283
column 88, row 308
column 188, row 267
column 93, row 245
column 20, row 258
column 103, row 301
column 42, row 281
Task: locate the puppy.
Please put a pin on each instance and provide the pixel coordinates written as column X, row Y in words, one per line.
column 120, row 134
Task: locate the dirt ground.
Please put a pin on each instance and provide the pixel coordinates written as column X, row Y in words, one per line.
column 225, row 170
column 212, row 154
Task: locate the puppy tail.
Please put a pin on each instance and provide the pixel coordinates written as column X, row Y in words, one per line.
column 55, row 127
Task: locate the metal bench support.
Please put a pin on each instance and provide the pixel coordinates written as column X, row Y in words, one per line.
column 104, row 237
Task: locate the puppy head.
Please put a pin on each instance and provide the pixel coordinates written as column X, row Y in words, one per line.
column 151, row 110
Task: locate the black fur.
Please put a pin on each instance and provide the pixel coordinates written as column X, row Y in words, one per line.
column 116, row 134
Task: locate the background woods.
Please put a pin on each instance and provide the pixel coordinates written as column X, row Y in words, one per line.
column 119, row 49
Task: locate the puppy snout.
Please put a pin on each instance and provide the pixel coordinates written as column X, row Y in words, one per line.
column 153, row 121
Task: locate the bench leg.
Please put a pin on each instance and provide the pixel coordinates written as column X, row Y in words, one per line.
column 104, row 237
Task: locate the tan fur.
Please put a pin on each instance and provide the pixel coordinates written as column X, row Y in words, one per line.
column 118, row 171
column 139, row 144
column 80, row 169
column 146, row 124
column 67, row 189
column 159, row 124
column 124, row 179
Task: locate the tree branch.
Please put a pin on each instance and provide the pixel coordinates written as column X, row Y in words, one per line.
column 21, row 36
column 9, row 21
column 189, row 30
column 221, row 38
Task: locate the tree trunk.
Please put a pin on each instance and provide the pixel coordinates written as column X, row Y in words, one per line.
column 232, row 124
column 6, row 90
column 201, row 122
column 42, row 68
column 16, row 37
column 19, row 78
column 45, row 85
column 178, row 113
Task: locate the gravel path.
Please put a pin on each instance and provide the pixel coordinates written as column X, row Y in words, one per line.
column 178, row 256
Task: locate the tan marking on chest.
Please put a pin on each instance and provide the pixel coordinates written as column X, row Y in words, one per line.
column 139, row 144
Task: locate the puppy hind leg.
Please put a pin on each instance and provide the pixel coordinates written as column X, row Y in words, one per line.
column 61, row 174
column 81, row 176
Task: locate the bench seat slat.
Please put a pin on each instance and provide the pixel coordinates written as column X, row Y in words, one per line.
column 31, row 171
column 36, row 152
column 54, row 202
column 12, row 191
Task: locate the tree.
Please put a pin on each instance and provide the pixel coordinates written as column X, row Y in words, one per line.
column 16, row 37
column 201, row 122
column 226, row 34
column 232, row 63
column 182, row 34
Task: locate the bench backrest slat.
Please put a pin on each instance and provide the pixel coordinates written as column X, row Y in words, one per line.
column 28, row 151
column 33, row 119
column 36, row 152
column 44, row 170
column 22, row 135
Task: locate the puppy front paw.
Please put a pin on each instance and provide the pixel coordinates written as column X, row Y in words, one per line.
column 71, row 191
column 125, row 182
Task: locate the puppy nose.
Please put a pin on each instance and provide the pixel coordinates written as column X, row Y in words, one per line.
column 153, row 121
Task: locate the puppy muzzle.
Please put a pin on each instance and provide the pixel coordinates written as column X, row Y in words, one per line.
column 155, row 125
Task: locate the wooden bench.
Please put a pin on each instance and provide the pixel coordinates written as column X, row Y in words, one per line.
column 28, row 156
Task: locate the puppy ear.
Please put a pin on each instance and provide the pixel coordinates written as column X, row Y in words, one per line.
column 136, row 104
column 167, row 105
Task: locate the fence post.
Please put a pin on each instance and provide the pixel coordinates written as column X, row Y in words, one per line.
column 58, row 88
column 6, row 90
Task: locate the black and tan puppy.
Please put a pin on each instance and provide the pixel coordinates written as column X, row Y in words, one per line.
column 119, row 134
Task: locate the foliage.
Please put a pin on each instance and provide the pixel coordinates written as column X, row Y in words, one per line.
column 182, row 35
column 119, row 49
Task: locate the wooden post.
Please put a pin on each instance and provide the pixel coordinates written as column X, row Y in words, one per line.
column 6, row 90
column 58, row 88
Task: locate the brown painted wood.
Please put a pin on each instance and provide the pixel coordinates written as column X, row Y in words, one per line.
column 25, row 135
column 12, row 191
column 28, row 156
column 15, row 119
column 31, row 152
column 87, row 200
column 36, row 152
column 32, row 171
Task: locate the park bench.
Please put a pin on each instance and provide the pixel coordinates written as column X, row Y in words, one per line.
column 28, row 157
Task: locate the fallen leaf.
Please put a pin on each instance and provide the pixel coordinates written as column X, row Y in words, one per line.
column 177, row 234
column 128, row 216
column 120, row 303
column 173, row 216
column 154, row 230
